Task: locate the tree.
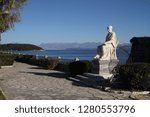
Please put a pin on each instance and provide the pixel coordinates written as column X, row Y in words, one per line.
column 9, row 13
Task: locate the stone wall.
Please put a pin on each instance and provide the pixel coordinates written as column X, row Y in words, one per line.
column 140, row 51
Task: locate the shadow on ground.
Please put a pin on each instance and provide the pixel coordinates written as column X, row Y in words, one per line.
column 96, row 82
column 36, row 67
column 75, row 81
column 52, row 74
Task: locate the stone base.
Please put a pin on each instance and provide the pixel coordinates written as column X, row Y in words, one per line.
column 104, row 67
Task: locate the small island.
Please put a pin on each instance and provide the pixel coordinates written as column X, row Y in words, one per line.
column 19, row 47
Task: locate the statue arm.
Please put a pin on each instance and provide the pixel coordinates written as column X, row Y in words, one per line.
column 112, row 39
column 108, row 42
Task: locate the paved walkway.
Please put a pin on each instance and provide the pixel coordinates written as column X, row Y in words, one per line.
column 27, row 82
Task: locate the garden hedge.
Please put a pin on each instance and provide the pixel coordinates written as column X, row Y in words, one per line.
column 48, row 63
column 79, row 67
column 6, row 59
column 135, row 75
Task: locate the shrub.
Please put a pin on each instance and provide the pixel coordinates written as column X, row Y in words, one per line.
column 88, row 65
column 79, row 67
column 2, row 97
column 63, row 65
column 24, row 58
column 43, row 62
column 135, row 76
column 52, row 63
column 38, row 62
column 7, row 59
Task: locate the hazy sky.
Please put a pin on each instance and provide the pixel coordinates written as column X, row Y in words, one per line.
column 47, row 21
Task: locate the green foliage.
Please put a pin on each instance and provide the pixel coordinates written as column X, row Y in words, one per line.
column 88, row 65
column 2, row 97
column 52, row 63
column 9, row 13
column 63, row 65
column 135, row 76
column 19, row 47
column 75, row 68
column 43, row 62
column 79, row 67
column 24, row 58
column 6, row 59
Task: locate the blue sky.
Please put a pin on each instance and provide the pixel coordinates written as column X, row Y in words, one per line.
column 48, row 21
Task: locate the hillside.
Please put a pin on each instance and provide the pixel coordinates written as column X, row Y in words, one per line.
column 19, row 47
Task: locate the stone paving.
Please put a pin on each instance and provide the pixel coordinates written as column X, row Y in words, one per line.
column 27, row 82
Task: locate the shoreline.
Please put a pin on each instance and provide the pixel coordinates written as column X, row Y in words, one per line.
column 70, row 54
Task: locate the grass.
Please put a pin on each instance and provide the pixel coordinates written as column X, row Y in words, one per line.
column 2, row 97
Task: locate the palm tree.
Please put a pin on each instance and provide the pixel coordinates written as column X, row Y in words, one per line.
column 9, row 13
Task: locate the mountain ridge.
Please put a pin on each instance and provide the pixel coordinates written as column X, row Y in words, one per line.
column 74, row 45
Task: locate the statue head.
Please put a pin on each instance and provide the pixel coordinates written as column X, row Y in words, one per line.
column 109, row 28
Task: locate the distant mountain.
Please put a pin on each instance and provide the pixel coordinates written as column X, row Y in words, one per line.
column 125, row 44
column 19, row 47
column 63, row 46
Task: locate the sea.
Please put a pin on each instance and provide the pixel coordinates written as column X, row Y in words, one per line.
column 82, row 54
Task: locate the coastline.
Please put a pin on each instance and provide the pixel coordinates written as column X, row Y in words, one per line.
column 83, row 54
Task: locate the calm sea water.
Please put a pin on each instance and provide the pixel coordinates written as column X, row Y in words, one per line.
column 84, row 54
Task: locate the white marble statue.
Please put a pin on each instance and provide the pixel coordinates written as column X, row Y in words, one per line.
column 107, row 51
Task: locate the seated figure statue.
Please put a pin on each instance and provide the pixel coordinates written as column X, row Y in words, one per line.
column 107, row 51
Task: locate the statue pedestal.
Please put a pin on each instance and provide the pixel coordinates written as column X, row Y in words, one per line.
column 104, row 67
